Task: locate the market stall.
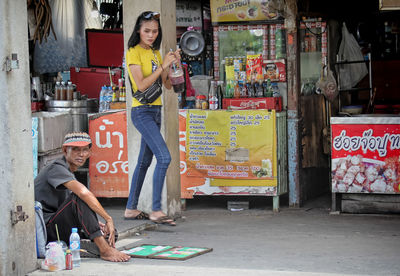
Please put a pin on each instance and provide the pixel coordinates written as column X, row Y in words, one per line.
column 233, row 153
column 234, row 142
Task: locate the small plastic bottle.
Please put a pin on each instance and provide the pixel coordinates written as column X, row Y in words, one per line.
column 68, row 260
column 259, row 89
column 75, row 246
column 102, row 99
column 275, row 90
column 109, row 97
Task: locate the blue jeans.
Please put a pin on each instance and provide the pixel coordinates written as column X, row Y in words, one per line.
column 147, row 120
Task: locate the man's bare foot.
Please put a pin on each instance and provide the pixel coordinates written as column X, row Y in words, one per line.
column 109, row 253
column 113, row 255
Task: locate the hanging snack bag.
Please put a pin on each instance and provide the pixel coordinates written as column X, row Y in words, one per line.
column 254, row 67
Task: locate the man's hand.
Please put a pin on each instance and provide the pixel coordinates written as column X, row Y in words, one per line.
column 109, row 228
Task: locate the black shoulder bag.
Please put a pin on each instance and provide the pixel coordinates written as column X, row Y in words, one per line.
column 151, row 93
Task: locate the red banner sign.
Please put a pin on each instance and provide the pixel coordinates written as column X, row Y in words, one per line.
column 366, row 158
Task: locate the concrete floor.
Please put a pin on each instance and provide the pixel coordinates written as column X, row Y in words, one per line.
column 304, row 241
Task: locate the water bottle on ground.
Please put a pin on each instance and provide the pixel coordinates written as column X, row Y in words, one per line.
column 102, row 99
column 75, row 246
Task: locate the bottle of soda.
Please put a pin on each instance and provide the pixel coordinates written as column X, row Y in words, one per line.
column 259, row 89
column 250, row 89
column 68, row 260
column 236, row 93
column 75, row 247
column 212, row 97
column 220, row 93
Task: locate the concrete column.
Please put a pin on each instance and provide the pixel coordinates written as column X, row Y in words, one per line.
column 293, row 103
column 17, row 250
column 169, row 128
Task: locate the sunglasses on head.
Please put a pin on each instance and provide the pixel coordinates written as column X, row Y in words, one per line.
column 149, row 15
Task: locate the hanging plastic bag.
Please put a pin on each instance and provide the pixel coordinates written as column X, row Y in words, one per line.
column 349, row 50
column 327, row 85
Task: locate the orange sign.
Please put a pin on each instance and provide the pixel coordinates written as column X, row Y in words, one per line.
column 108, row 165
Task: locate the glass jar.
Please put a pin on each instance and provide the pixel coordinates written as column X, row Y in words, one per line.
column 201, row 102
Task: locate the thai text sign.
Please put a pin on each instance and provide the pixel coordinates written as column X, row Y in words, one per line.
column 233, row 145
column 108, row 164
column 365, row 158
column 188, row 14
column 241, row 10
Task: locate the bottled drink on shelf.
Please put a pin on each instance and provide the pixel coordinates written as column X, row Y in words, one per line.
column 103, row 99
column 75, row 247
column 250, row 90
column 259, row 90
column 220, row 93
column 57, row 91
column 70, row 91
column 109, row 95
column 236, row 91
column 63, row 91
column 212, row 97
column 267, row 88
column 275, row 90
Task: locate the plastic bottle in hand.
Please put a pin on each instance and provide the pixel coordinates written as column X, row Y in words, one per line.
column 75, row 246
column 176, row 77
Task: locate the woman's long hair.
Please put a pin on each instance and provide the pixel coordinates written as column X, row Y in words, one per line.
column 135, row 37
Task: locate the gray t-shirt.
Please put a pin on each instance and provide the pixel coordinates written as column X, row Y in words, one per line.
column 49, row 188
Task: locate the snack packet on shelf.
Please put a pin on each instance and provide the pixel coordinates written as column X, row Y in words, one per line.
column 254, row 67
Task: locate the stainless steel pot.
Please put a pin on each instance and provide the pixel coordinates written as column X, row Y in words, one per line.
column 77, row 109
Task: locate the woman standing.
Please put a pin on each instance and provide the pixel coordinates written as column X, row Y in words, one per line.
column 145, row 66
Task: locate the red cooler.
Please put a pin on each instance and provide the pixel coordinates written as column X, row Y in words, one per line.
column 90, row 80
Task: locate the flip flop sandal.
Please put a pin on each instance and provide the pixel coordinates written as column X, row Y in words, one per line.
column 140, row 216
column 164, row 220
column 89, row 249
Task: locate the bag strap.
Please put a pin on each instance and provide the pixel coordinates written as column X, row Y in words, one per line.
column 158, row 81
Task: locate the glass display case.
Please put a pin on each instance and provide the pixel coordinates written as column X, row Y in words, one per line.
column 232, row 41
column 313, row 51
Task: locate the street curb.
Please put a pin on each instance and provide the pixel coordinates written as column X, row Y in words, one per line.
column 136, row 229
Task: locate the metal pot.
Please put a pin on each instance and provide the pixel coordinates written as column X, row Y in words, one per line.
column 77, row 109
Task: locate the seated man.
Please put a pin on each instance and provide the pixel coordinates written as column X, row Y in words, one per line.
column 67, row 203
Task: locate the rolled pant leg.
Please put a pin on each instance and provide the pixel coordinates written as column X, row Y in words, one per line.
column 73, row 213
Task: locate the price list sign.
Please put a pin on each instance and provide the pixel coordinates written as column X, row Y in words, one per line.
column 231, row 144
